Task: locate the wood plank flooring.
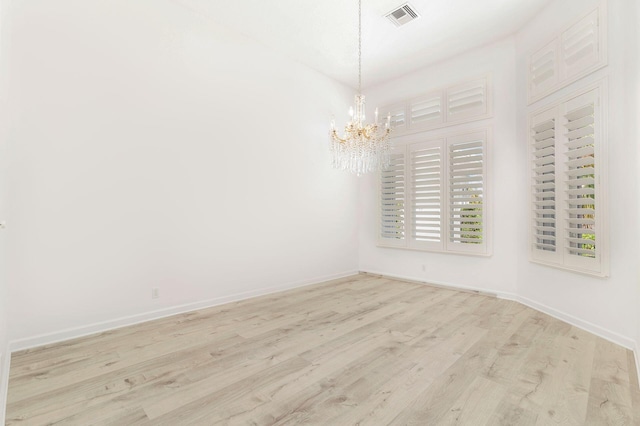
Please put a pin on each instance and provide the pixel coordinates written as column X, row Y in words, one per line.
column 357, row 351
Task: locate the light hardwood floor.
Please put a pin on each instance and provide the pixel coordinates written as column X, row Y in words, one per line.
column 358, row 351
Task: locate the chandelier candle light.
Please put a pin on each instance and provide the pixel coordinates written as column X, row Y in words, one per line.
column 364, row 147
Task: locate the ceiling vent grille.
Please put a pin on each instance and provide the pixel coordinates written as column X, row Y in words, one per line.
column 402, row 15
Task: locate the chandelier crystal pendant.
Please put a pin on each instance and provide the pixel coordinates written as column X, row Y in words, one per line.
column 364, row 147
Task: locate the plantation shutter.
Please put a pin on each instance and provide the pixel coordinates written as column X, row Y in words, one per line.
column 433, row 196
column 543, row 70
column 582, row 235
column 467, row 100
column 580, row 49
column 466, row 177
column 393, row 200
column 426, row 111
column 442, row 107
column 580, row 46
column 426, row 171
column 567, row 207
column 543, row 154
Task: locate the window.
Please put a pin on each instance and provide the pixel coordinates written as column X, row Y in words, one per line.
column 433, row 196
column 568, row 209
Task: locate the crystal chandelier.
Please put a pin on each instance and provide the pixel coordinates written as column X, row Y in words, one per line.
column 364, row 147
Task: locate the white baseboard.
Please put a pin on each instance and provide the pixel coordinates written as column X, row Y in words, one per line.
column 5, row 363
column 611, row 336
column 478, row 290
column 99, row 327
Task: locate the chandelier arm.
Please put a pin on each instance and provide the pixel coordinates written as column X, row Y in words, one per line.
column 334, row 135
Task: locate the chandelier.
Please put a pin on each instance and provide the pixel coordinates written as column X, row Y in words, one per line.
column 364, row 147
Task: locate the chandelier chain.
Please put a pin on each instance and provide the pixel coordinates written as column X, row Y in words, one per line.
column 359, row 47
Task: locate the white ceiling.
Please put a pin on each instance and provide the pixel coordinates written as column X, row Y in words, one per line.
column 323, row 33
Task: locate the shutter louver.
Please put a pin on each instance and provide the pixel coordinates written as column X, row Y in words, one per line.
column 426, row 194
column 426, row 111
column 466, row 191
column 467, row 100
column 544, row 183
column 580, row 47
column 392, row 187
column 581, row 233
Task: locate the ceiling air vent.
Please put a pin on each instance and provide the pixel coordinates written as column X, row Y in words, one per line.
column 402, row 15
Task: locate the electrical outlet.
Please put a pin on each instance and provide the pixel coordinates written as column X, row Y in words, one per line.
column 155, row 292
column 424, row 268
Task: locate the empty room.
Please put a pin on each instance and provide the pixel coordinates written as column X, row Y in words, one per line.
column 338, row 212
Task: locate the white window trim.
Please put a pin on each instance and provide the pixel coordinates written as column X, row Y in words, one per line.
column 404, row 144
column 602, row 185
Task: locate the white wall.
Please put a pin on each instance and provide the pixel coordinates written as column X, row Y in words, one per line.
column 635, row 71
column 4, row 327
column 4, row 303
column 607, row 306
column 150, row 148
column 496, row 273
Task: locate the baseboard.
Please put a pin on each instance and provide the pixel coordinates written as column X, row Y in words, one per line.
column 476, row 290
column 5, row 363
column 99, row 327
column 611, row 336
